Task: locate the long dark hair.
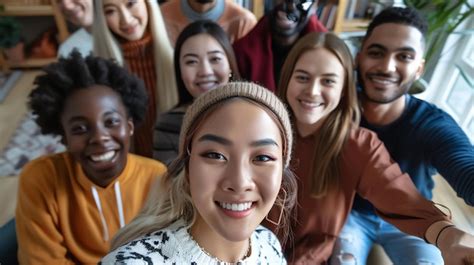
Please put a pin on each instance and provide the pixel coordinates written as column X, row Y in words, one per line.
column 195, row 28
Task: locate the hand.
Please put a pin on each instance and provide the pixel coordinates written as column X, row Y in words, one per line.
column 457, row 246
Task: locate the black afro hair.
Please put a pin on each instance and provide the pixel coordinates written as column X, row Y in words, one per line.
column 76, row 72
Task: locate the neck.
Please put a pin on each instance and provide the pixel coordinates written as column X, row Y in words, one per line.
column 201, row 8
column 218, row 247
column 383, row 114
column 306, row 130
column 285, row 41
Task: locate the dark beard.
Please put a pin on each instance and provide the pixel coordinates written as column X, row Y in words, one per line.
column 401, row 91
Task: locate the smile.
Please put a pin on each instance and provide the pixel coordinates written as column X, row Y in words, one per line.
column 105, row 157
column 236, row 207
column 310, row 104
column 383, row 80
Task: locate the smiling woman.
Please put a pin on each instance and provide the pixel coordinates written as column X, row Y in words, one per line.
column 234, row 152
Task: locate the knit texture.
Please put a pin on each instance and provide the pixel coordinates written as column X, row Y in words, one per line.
column 239, row 89
column 174, row 245
column 139, row 58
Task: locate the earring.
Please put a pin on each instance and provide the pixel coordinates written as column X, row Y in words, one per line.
column 281, row 210
column 231, row 76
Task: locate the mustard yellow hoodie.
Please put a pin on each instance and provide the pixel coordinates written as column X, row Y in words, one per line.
column 62, row 217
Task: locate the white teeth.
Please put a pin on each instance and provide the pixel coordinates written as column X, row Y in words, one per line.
column 207, row 85
column 237, row 207
column 103, row 157
column 310, row 104
column 382, row 81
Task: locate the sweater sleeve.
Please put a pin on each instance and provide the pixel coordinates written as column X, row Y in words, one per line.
column 393, row 193
column 39, row 240
column 451, row 154
column 166, row 136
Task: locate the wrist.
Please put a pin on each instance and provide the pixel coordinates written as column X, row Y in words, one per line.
column 433, row 233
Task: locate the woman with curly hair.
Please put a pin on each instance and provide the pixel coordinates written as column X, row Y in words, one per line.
column 71, row 204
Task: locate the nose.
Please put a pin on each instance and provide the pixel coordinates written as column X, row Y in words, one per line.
column 205, row 68
column 315, row 88
column 388, row 64
column 238, row 178
column 98, row 135
column 125, row 17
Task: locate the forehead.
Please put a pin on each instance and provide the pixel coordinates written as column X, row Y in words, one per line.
column 240, row 121
column 202, row 41
column 331, row 62
column 394, row 36
column 96, row 98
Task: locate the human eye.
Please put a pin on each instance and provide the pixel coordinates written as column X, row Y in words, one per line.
column 131, row 3
column 375, row 53
column 215, row 59
column 112, row 121
column 190, row 62
column 78, row 129
column 328, row 81
column 264, row 158
column 301, row 78
column 214, row 156
column 109, row 11
column 406, row 57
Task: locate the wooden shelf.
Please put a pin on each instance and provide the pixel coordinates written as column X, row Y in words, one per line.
column 33, row 63
column 22, row 10
column 354, row 25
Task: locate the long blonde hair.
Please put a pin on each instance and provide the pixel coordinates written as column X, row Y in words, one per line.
column 172, row 200
column 105, row 45
column 333, row 134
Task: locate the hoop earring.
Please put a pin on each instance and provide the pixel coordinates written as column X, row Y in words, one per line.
column 281, row 211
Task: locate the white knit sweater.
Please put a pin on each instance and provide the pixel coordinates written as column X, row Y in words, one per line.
column 173, row 245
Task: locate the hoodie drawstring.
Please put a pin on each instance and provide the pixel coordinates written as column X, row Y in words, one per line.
column 118, row 198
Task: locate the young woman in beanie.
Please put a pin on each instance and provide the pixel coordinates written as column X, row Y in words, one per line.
column 203, row 60
column 133, row 33
column 334, row 158
column 234, row 152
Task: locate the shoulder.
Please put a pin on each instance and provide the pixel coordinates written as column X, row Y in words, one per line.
column 148, row 164
column 234, row 9
column 81, row 40
column 47, row 172
column 360, row 136
column 260, row 32
column 160, row 247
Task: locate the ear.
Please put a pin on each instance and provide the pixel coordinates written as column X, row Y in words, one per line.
column 131, row 126
column 421, row 69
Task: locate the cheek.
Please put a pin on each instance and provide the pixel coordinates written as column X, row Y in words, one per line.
column 113, row 23
column 291, row 94
column 270, row 183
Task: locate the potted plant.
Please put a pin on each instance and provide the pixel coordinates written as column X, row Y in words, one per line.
column 10, row 39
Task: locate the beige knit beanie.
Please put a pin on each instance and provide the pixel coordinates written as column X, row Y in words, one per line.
column 239, row 89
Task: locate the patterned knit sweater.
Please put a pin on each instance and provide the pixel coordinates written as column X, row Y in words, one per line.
column 139, row 59
column 174, row 245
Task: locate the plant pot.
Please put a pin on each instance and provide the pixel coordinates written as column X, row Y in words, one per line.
column 419, row 86
column 15, row 54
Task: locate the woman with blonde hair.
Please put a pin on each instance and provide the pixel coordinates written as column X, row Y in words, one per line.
column 334, row 158
column 234, row 152
column 133, row 33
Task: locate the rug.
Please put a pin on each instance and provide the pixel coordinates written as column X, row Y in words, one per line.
column 26, row 144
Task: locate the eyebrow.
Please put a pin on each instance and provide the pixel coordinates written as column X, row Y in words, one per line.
column 227, row 142
column 195, row 55
column 325, row 74
column 379, row 46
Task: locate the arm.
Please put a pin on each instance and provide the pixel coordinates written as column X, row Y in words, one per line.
column 456, row 246
column 39, row 240
column 451, row 154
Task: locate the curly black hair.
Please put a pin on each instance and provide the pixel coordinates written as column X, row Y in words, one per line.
column 399, row 15
column 75, row 72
